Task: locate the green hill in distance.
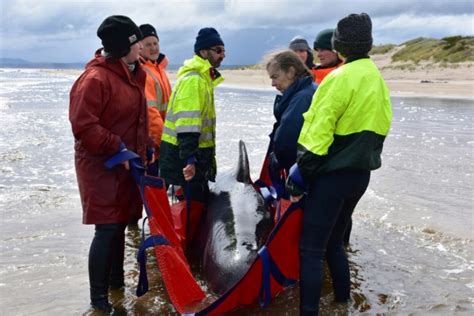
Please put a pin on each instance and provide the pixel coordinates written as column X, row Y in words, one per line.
column 448, row 50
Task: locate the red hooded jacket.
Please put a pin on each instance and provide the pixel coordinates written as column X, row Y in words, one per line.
column 108, row 107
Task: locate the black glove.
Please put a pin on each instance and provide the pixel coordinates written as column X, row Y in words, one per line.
column 292, row 188
column 295, row 185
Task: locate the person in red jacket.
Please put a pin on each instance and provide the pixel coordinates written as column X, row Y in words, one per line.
column 108, row 114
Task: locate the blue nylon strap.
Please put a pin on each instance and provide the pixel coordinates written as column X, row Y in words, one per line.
column 120, row 157
column 269, row 268
column 278, row 184
column 265, row 293
column 278, row 275
column 151, row 241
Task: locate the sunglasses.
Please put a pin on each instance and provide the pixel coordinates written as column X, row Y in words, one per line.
column 218, row 50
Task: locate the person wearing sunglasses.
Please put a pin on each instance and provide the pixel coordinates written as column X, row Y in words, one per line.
column 187, row 156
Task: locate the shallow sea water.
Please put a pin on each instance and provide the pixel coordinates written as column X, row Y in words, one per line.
column 412, row 244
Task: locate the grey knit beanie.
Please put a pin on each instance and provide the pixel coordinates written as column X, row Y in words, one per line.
column 300, row 43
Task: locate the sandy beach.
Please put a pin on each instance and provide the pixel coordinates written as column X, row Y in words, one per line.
column 403, row 79
column 421, row 81
column 424, row 80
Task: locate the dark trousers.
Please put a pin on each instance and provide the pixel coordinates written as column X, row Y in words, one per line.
column 331, row 200
column 106, row 256
column 194, row 190
column 197, row 190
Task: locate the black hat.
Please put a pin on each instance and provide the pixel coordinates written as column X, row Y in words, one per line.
column 323, row 39
column 353, row 35
column 118, row 33
column 148, row 30
column 206, row 38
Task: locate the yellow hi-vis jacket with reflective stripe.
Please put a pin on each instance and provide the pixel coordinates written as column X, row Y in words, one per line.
column 191, row 109
column 347, row 122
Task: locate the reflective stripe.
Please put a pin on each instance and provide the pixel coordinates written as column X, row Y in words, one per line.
column 159, row 94
column 209, row 122
column 206, row 137
column 191, row 121
column 169, row 131
column 152, row 103
column 182, row 114
column 188, row 129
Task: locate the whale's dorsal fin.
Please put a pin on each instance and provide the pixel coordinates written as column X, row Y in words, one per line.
column 243, row 168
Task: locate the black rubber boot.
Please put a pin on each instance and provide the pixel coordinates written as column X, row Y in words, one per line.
column 106, row 249
column 100, row 302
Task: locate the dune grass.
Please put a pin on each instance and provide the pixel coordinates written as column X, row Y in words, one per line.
column 381, row 49
column 454, row 49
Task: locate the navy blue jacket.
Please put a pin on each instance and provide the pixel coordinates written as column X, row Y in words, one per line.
column 288, row 111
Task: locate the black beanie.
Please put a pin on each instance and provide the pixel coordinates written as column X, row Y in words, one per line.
column 353, row 35
column 118, row 33
column 323, row 39
column 148, row 30
column 206, row 38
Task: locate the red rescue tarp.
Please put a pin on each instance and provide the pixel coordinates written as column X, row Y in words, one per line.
column 276, row 267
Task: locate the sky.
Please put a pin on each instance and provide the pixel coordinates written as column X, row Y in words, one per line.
column 65, row 30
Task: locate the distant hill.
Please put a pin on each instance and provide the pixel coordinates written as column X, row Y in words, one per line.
column 445, row 51
column 22, row 63
column 13, row 61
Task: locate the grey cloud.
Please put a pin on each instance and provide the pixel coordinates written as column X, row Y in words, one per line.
column 251, row 27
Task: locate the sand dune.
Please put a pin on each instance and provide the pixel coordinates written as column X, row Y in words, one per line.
column 424, row 80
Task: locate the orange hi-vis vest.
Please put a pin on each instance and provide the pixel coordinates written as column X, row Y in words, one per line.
column 321, row 73
column 157, row 92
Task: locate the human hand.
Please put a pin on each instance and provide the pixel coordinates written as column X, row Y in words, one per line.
column 126, row 165
column 189, row 171
column 295, row 199
column 152, row 159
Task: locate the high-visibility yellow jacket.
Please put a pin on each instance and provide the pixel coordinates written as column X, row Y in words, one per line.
column 190, row 125
column 347, row 122
column 157, row 92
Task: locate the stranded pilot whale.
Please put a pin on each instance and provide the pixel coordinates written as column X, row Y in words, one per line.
column 236, row 224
